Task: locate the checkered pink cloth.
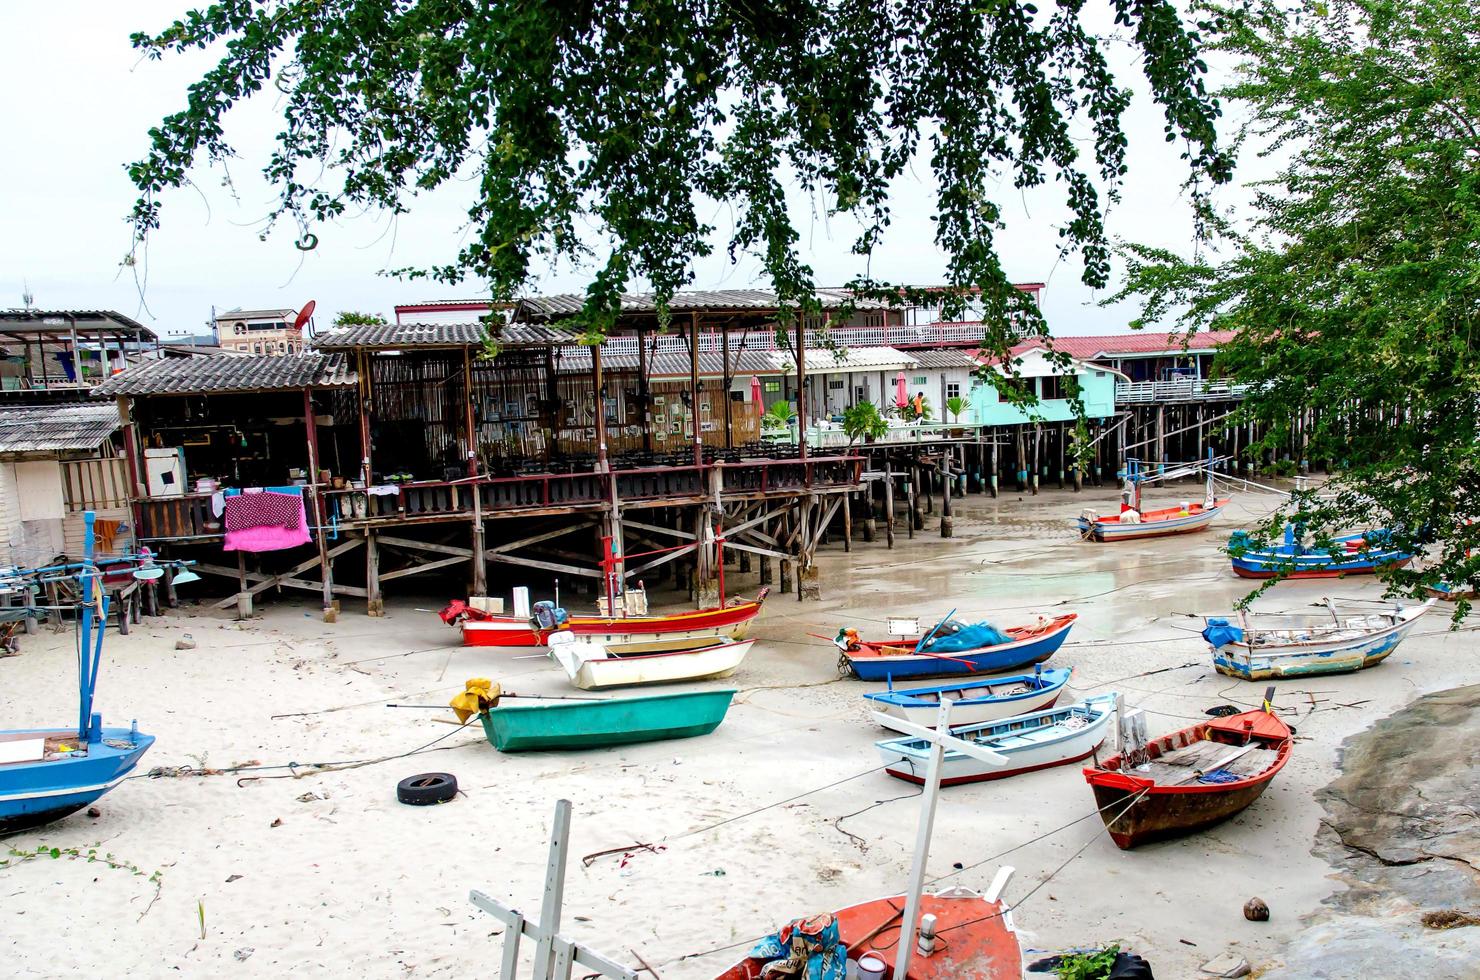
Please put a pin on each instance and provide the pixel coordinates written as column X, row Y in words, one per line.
column 265, row 521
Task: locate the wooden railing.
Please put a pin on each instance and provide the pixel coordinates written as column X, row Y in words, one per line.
column 187, row 517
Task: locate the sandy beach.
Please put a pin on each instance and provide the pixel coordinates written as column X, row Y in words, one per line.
column 262, row 873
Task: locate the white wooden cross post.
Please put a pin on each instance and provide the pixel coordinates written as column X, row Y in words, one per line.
column 940, row 739
column 555, row 956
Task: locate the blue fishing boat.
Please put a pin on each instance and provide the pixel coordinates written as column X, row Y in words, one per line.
column 973, row 701
column 954, row 647
column 48, row 773
column 1354, row 554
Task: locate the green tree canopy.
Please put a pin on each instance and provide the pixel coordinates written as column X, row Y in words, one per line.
column 634, row 117
column 1355, row 288
column 354, row 318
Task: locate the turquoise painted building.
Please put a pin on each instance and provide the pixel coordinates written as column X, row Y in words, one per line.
column 1049, row 383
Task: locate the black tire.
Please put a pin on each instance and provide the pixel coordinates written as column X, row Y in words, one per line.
column 427, row 788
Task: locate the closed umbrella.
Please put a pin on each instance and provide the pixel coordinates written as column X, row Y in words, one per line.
column 755, row 394
column 901, row 393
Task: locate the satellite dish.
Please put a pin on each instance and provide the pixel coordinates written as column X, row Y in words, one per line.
column 303, row 315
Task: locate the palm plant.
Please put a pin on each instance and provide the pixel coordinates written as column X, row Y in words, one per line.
column 863, row 421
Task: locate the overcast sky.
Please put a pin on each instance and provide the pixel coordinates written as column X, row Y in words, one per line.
column 77, row 103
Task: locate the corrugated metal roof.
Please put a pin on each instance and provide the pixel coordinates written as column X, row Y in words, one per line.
column 210, row 375
column 684, row 301
column 49, row 428
column 668, row 364
column 398, row 335
column 950, row 357
column 823, row 361
column 84, row 318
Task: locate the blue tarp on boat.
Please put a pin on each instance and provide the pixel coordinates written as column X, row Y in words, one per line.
column 954, row 636
column 1221, row 631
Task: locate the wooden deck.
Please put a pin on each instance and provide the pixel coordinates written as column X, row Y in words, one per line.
column 189, row 517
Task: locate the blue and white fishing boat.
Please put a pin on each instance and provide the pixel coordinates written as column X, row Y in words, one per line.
column 1346, row 636
column 1038, row 740
column 48, row 773
column 953, row 647
column 1355, row 554
column 973, row 701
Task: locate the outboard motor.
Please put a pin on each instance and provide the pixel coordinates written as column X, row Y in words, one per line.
column 543, row 614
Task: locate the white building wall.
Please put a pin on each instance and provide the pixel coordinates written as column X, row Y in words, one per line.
column 10, row 512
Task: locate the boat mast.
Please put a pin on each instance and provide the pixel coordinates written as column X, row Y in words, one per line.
column 89, row 653
column 940, row 738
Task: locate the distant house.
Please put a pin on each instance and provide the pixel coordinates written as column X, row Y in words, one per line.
column 1047, row 381
column 259, row 332
column 57, row 461
column 1145, row 355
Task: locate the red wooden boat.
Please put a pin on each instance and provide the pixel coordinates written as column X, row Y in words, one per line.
column 975, row 938
column 481, row 629
column 1191, row 779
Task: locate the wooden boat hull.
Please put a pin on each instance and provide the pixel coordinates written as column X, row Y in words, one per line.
column 39, row 792
column 1168, row 814
column 1136, row 809
column 1029, row 742
column 921, row 705
column 1445, row 593
column 712, row 661
column 598, row 724
column 980, row 942
column 508, row 631
column 1266, row 566
column 1154, row 524
column 1339, row 656
column 878, row 661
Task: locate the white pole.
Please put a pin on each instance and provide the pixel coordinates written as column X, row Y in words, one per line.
column 910, row 924
column 554, row 887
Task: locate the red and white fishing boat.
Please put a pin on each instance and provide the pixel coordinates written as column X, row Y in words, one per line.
column 1133, row 523
column 1191, row 779
column 483, row 629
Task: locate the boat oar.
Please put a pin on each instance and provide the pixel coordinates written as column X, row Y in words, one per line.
column 926, row 638
column 508, row 694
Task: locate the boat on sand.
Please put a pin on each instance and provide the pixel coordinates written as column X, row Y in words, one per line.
column 1346, row 636
column 975, row 701
column 954, row 647
column 1190, row 779
column 594, row 666
column 601, row 723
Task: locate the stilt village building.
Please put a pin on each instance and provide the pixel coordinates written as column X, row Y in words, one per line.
column 472, row 444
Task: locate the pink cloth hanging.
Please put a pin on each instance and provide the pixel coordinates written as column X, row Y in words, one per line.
column 265, row 521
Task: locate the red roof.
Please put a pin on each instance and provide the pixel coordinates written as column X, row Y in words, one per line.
column 1100, row 346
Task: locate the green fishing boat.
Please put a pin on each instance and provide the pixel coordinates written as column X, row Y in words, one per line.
column 595, row 724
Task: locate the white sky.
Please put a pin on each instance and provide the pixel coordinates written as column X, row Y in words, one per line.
column 75, row 113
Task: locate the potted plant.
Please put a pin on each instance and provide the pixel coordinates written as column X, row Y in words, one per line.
column 778, row 417
column 956, row 405
column 863, row 421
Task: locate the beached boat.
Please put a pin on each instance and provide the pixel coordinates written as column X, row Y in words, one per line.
column 481, row 629
column 972, row 939
column 596, row 724
column 1347, row 636
column 1191, row 779
column 592, row 665
column 1039, row 740
column 48, row 773
column 1363, row 553
column 1452, row 593
column 975, row 701
column 954, row 647
column 1133, row 523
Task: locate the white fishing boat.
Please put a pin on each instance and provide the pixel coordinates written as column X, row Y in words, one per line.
column 1038, row 740
column 1342, row 637
column 974, row 701
column 593, row 665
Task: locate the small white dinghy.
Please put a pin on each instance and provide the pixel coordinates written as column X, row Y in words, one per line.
column 974, row 701
column 1038, row 740
column 592, row 665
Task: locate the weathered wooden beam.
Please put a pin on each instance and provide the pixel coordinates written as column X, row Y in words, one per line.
column 764, row 552
column 537, row 538
column 657, row 529
column 411, row 544
column 548, row 566
column 427, row 567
